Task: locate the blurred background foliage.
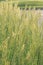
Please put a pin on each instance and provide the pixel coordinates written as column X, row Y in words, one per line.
column 21, row 0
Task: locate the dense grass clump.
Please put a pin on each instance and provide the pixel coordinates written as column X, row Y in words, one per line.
column 21, row 41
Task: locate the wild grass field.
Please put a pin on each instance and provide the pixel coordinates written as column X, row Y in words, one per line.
column 21, row 36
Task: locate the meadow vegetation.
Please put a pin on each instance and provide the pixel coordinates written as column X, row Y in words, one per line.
column 21, row 41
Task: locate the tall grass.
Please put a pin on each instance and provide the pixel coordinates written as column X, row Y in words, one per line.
column 20, row 36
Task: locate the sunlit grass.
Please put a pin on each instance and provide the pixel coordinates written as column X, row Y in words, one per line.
column 20, row 36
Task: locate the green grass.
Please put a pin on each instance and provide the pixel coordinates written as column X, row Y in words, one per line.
column 20, row 36
column 27, row 2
